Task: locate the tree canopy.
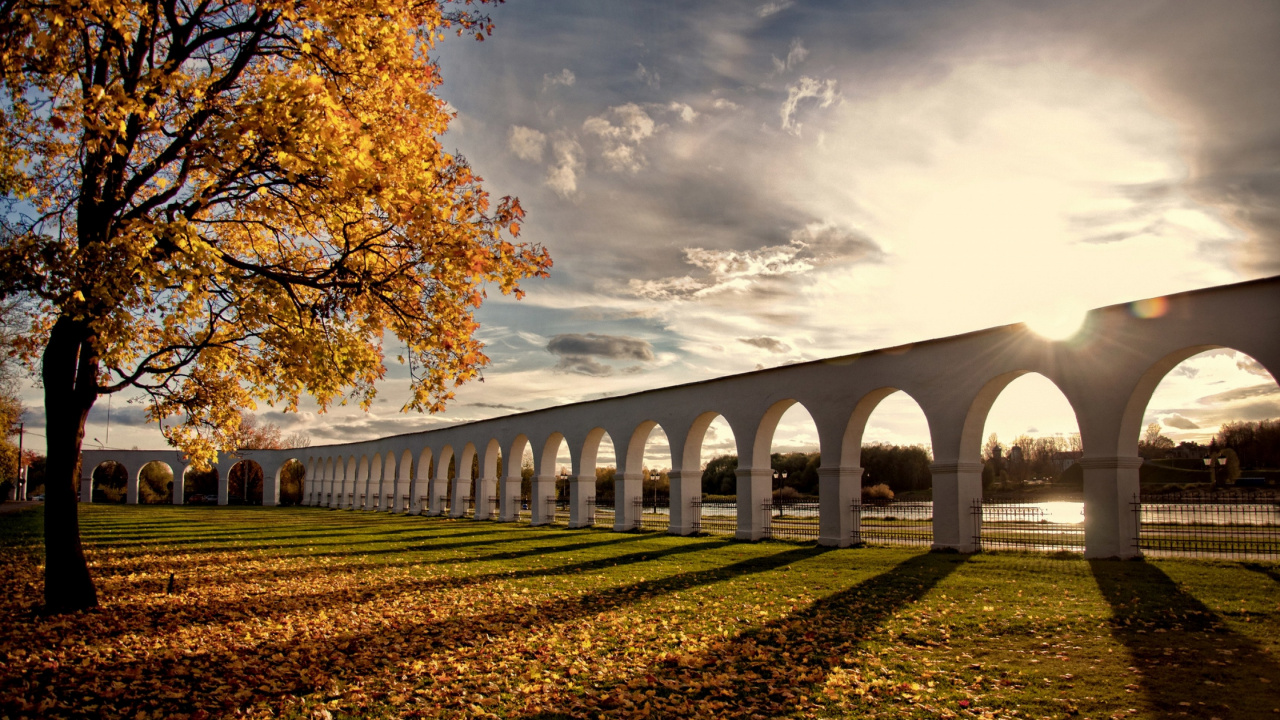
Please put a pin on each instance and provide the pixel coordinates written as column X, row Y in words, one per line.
column 225, row 203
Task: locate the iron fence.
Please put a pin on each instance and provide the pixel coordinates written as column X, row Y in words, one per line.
column 1020, row 526
column 719, row 518
column 1237, row 525
column 493, row 507
column 657, row 520
column 590, row 519
column 900, row 523
column 790, row 519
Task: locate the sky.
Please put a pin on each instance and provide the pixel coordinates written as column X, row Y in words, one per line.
column 725, row 186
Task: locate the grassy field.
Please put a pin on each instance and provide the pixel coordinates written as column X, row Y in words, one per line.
column 322, row 613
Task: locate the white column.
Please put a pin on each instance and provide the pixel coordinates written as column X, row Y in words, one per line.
column 754, row 490
column 509, row 502
column 486, row 488
column 335, row 486
column 683, row 491
column 627, row 488
column 461, row 493
column 541, row 495
column 1110, row 488
column 957, row 486
column 436, row 495
column 581, row 488
column 131, row 487
column 270, row 485
column 179, row 482
column 839, row 502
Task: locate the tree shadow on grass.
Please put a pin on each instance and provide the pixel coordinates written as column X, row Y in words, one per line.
column 761, row 672
column 372, row 653
column 1187, row 661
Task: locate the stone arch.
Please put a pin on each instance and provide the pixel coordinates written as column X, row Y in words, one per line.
column 245, row 483
column 199, row 487
column 511, row 491
column 291, row 483
column 1130, row 429
column 373, row 485
column 439, row 490
column 582, row 489
column 542, row 498
column 462, row 481
column 153, row 489
column 486, row 493
column 359, row 493
column 349, row 479
column 755, row 482
column 851, row 441
column 109, row 482
column 975, row 420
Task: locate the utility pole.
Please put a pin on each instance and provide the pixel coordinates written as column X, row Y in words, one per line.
column 21, row 486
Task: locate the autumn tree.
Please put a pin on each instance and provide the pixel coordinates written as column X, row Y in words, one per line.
column 224, row 203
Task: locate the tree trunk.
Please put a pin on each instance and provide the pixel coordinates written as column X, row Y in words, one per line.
column 69, row 370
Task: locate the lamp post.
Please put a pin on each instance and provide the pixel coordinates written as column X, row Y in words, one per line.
column 653, row 477
column 1212, row 462
column 564, row 481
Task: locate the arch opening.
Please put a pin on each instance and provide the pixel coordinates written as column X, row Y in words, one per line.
column 291, row 479
column 888, row 440
column 110, row 482
column 1031, row 443
column 1211, row 423
column 155, row 483
column 200, row 487
column 244, row 483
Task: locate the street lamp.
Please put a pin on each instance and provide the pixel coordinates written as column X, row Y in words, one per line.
column 564, row 480
column 653, row 477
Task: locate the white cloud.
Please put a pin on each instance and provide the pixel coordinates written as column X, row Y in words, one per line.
column 526, row 143
column 622, row 140
column 809, row 247
column 565, row 77
column 686, row 113
column 795, row 55
column 824, row 91
column 723, row 104
column 562, row 177
column 647, row 76
column 773, row 7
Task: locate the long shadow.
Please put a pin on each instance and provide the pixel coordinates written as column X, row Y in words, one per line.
column 1189, row 662
column 1270, row 571
column 755, row 674
column 258, row 679
column 502, row 539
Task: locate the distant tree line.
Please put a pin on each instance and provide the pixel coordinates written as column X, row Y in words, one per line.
column 901, row 467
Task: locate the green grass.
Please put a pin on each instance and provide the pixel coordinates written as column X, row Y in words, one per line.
column 313, row 613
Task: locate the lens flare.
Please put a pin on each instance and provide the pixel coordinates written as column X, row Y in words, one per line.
column 1148, row 309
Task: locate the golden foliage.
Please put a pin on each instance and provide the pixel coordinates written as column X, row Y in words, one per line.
column 238, row 201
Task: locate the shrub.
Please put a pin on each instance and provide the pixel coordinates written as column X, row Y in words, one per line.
column 877, row 494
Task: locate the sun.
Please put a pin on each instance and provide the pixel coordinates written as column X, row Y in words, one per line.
column 1057, row 323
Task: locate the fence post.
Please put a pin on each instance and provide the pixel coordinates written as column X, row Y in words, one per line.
column 976, row 511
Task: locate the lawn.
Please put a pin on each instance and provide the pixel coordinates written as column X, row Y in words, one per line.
column 324, row 613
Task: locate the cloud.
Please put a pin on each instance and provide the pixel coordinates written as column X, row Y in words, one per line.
column 498, row 406
column 766, row 343
column 130, row 415
column 562, row 176
column 577, row 352
column 810, row 247
column 622, row 140
column 1179, row 421
column 526, row 143
column 686, row 113
column 1251, row 366
column 773, row 7
column 648, row 77
column 795, row 55
column 565, row 77
column 824, row 91
column 616, row 347
column 1244, row 393
column 725, row 104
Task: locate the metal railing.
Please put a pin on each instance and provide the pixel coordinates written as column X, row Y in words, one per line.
column 1237, row 525
column 590, row 519
column 719, row 518
column 901, row 523
column 1021, row 526
column 790, row 519
column 493, row 507
column 656, row 520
